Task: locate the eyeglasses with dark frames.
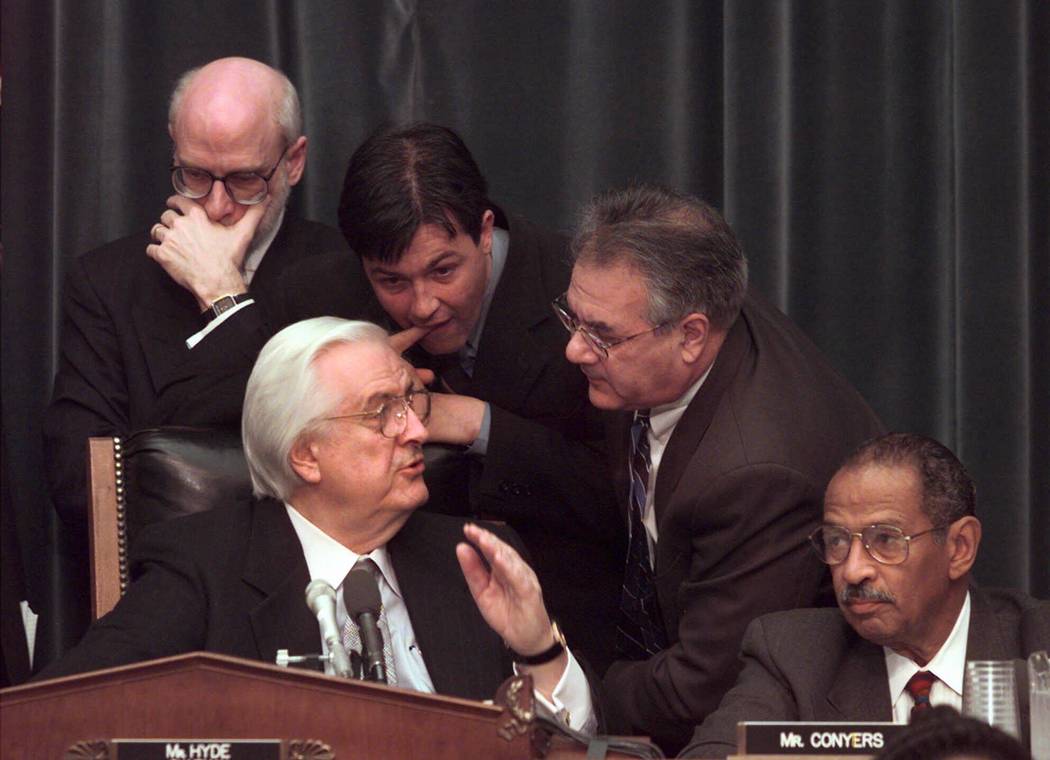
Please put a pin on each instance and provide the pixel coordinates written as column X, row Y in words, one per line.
column 600, row 346
column 392, row 415
column 245, row 188
column 886, row 544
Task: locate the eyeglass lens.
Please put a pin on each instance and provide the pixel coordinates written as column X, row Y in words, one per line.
column 394, row 414
column 885, row 543
column 573, row 326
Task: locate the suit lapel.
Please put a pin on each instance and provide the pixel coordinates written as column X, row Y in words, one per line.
column 509, row 358
column 454, row 640
column 861, row 690
column 985, row 639
column 690, row 430
column 276, row 567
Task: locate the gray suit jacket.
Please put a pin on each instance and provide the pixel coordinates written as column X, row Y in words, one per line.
column 810, row 665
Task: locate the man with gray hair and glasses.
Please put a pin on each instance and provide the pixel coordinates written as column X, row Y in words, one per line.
column 901, row 536
column 333, row 429
column 145, row 314
column 733, row 423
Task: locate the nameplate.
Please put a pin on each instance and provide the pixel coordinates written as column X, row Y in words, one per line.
column 196, row 749
column 768, row 738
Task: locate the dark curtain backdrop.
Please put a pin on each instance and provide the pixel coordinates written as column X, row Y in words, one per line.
column 885, row 164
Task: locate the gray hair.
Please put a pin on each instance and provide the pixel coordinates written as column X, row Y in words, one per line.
column 287, row 111
column 283, row 399
column 948, row 491
column 688, row 254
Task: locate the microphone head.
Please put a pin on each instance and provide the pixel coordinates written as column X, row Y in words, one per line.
column 361, row 593
column 316, row 590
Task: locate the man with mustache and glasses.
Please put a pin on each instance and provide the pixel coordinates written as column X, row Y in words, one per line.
column 333, row 428
column 133, row 308
column 901, row 536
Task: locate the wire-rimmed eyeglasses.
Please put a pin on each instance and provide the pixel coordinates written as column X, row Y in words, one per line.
column 245, row 188
column 600, row 346
column 393, row 414
column 886, row 544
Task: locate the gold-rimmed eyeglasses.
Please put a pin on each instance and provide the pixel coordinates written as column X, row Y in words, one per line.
column 600, row 346
column 392, row 415
column 886, row 544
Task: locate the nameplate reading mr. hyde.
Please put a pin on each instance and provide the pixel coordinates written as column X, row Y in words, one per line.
column 767, row 738
column 197, row 749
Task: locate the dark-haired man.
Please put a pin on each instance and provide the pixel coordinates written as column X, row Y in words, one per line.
column 736, row 422
column 438, row 257
column 901, row 536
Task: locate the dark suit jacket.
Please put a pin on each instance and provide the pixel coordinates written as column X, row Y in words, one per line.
column 231, row 581
column 739, row 488
column 545, row 471
column 124, row 364
column 811, row 665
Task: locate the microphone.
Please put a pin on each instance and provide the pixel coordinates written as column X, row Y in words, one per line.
column 361, row 596
column 320, row 598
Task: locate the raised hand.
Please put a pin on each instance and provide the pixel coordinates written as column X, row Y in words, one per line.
column 203, row 256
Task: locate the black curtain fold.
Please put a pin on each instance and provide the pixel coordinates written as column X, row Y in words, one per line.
column 885, row 165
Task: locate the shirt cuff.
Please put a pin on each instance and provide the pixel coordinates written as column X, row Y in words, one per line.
column 197, row 337
column 571, row 701
column 480, row 446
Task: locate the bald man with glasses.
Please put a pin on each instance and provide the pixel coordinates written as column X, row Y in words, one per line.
column 901, row 536
column 145, row 315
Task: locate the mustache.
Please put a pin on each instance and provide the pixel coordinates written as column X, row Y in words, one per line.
column 864, row 593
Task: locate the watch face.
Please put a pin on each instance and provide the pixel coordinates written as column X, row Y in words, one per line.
column 223, row 304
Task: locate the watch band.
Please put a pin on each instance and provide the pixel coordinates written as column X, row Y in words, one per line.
column 551, row 653
column 223, row 304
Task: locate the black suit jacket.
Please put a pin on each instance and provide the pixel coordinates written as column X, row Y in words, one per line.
column 545, row 471
column 124, row 364
column 811, row 665
column 739, row 488
column 231, row 581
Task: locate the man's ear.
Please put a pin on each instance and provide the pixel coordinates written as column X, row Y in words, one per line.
column 488, row 221
column 296, row 159
column 303, row 459
column 696, row 332
column 964, row 537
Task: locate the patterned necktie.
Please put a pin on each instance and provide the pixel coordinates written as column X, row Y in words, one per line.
column 919, row 686
column 640, row 633
column 352, row 636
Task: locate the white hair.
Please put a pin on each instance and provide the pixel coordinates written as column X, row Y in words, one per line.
column 287, row 112
column 284, row 398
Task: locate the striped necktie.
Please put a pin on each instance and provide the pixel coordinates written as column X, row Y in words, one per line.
column 919, row 686
column 640, row 633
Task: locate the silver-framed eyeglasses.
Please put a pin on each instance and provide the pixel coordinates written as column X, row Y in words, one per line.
column 392, row 415
column 245, row 188
column 600, row 346
column 886, row 544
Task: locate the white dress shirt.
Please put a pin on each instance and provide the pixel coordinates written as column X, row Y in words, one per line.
column 662, row 422
column 949, row 665
column 330, row 561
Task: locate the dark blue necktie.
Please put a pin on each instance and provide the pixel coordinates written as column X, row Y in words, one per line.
column 640, row 634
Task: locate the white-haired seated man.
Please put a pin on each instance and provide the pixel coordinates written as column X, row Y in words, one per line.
column 333, row 427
